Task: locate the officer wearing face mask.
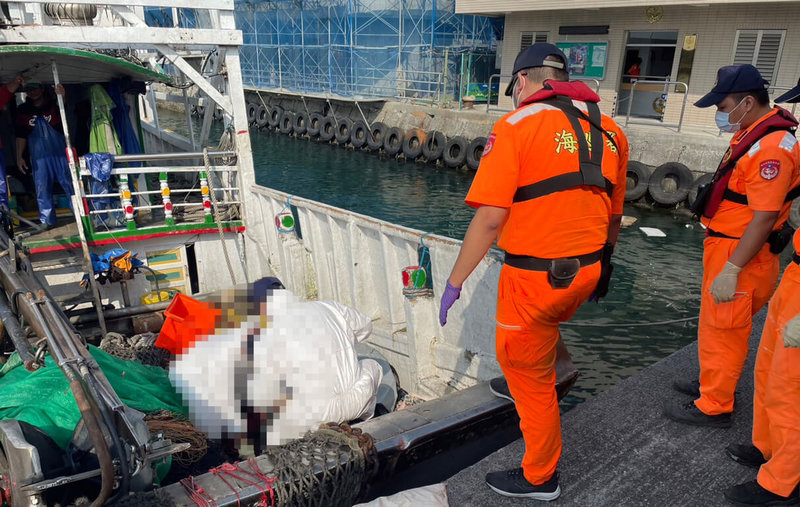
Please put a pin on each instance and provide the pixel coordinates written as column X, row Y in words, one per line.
column 745, row 209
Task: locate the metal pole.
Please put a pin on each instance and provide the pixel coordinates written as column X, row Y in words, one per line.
column 630, row 102
column 77, row 191
column 189, row 120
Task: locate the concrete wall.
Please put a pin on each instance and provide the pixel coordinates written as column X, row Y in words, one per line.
column 714, row 25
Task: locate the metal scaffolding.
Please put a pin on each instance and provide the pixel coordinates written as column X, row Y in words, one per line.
column 360, row 48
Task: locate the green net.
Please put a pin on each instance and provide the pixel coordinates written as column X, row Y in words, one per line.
column 43, row 398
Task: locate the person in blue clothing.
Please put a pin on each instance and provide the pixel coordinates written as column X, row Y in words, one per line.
column 6, row 93
column 39, row 132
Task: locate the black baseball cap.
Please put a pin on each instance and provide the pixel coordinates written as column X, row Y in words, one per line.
column 536, row 56
column 792, row 95
column 733, row 79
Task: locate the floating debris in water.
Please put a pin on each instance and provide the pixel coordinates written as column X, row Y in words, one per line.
column 653, row 232
column 628, row 221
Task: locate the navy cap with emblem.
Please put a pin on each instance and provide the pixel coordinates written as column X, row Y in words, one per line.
column 733, row 79
column 536, row 56
column 792, row 95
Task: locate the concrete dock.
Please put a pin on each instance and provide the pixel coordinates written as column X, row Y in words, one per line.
column 620, row 450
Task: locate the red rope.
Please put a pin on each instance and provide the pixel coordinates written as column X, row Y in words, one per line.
column 197, row 493
column 203, row 499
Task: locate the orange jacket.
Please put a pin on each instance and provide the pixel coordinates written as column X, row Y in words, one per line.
column 765, row 175
column 534, row 143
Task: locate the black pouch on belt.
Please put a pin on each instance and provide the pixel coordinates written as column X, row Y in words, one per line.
column 562, row 272
column 778, row 239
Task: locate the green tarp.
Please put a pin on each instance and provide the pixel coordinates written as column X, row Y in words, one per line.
column 43, row 398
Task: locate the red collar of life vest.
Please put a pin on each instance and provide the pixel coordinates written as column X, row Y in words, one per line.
column 778, row 119
column 575, row 90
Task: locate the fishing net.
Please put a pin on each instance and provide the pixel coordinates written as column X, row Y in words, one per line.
column 179, row 430
column 140, row 347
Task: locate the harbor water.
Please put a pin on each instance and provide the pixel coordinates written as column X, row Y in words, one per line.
column 655, row 278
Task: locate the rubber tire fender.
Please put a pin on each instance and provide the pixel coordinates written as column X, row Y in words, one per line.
column 359, row 134
column 670, row 169
column 794, row 214
column 702, row 180
column 475, row 152
column 393, row 141
column 433, row 147
column 638, row 175
column 455, row 152
column 412, row 143
column 314, row 123
column 377, row 133
column 262, row 116
column 251, row 113
column 286, row 125
column 300, row 125
column 327, row 129
column 275, row 114
column 344, row 127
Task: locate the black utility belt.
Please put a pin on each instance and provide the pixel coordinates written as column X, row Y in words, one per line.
column 777, row 239
column 795, row 258
column 538, row 264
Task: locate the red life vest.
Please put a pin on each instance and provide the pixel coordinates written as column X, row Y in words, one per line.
column 718, row 191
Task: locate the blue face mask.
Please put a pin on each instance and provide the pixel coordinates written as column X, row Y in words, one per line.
column 724, row 120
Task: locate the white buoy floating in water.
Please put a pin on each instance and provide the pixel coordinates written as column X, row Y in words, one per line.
column 652, row 232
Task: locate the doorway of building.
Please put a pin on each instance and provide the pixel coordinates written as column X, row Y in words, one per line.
column 649, row 58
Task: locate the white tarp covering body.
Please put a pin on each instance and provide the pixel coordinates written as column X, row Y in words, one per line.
column 295, row 365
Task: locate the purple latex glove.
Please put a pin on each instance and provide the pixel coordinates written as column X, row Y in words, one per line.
column 448, row 298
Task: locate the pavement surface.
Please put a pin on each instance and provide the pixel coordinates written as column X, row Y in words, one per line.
column 620, row 450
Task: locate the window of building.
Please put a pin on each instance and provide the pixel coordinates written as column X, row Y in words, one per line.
column 761, row 48
column 531, row 38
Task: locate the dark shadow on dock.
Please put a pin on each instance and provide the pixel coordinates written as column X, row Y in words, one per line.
column 620, row 450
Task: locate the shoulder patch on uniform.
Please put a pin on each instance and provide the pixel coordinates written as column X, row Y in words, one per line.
column 770, row 169
column 489, row 144
column 788, row 142
column 754, row 149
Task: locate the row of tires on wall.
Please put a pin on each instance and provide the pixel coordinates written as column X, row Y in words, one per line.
column 669, row 184
column 413, row 144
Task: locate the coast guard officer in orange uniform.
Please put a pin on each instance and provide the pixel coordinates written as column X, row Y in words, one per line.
column 550, row 188
column 744, row 209
column 776, row 403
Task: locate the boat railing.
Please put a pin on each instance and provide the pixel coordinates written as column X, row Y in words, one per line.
column 184, row 195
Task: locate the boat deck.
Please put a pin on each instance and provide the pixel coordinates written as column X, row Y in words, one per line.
column 620, row 450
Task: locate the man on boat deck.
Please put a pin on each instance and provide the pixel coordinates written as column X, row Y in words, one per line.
column 775, row 447
column 550, row 188
column 744, row 210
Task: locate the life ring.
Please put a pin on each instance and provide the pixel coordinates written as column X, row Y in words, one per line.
column 376, row 134
column 343, row 128
column 314, row 123
column 702, row 180
column 359, row 134
column 275, row 114
column 475, row 152
column 412, row 144
column 670, row 171
column 286, row 125
column 393, row 141
column 794, row 214
column 455, row 152
column 327, row 129
column 251, row 113
column 638, row 176
column 433, row 147
column 300, row 123
column 262, row 116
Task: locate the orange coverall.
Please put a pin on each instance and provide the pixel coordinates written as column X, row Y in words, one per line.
column 529, row 145
column 765, row 174
column 776, row 405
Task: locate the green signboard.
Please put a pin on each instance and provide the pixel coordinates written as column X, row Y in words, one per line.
column 585, row 59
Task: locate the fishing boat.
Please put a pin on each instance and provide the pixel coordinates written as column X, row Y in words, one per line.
column 190, row 213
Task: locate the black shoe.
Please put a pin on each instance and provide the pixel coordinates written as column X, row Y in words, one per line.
column 499, row 387
column 752, row 494
column 690, row 387
column 690, row 414
column 513, row 483
column 746, row 454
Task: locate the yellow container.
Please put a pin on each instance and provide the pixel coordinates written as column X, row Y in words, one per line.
column 151, row 298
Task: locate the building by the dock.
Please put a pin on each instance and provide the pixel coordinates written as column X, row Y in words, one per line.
column 678, row 41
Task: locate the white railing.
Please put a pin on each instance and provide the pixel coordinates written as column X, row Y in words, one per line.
column 357, row 260
column 665, row 94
